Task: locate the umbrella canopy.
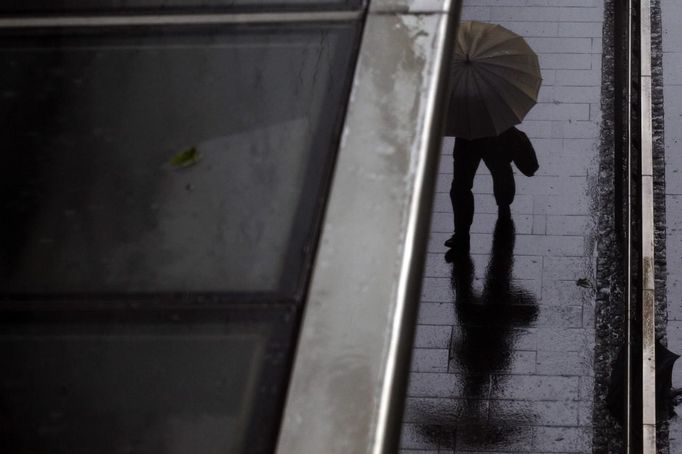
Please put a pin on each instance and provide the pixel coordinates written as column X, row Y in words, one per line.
column 495, row 79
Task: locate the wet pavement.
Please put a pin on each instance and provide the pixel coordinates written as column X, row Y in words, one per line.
column 672, row 92
column 503, row 355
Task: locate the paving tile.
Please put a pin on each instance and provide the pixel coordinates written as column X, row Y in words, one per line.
column 436, row 266
column 562, row 439
column 586, row 389
column 560, row 316
column 527, row 267
column 565, row 268
column 485, row 203
column 570, row 203
column 564, row 62
column 569, row 225
column 441, row 201
column 524, row 339
column 525, row 412
column 574, row 130
column 476, row 13
column 591, row 29
column 564, row 164
column 595, row 14
column 564, row 45
column 436, row 289
column 675, row 335
column 429, row 360
column 560, row 111
column 561, row 292
column 561, row 340
column 432, row 337
column 514, row 363
column 483, row 223
column 507, row 13
column 533, row 29
column 672, row 65
column 538, row 130
column 442, row 222
column 420, row 451
column 433, row 410
column 585, row 409
column 488, row 436
column 539, row 185
column 424, row 384
column 436, row 314
column 411, row 438
column 539, row 224
column 535, row 387
column 550, row 245
column 561, row 363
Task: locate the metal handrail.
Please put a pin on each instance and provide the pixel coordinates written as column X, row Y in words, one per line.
column 347, row 388
column 640, row 428
column 647, row 239
column 177, row 19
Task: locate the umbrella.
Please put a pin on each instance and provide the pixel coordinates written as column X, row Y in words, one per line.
column 665, row 393
column 495, row 79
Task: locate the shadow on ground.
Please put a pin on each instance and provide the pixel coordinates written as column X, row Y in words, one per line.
column 482, row 353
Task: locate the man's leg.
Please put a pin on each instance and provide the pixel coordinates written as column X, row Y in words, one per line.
column 465, row 163
column 504, row 187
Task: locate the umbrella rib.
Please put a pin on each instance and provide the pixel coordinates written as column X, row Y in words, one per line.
column 529, row 72
column 518, row 46
column 501, row 102
column 505, row 101
column 491, row 37
column 519, row 86
column 459, row 103
column 482, row 109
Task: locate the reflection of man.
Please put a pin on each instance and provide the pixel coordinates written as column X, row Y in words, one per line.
column 497, row 153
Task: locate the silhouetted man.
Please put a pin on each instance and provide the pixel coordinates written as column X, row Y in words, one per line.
column 497, row 153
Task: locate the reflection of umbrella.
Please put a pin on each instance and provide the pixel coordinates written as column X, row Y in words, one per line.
column 495, row 79
column 665, row 360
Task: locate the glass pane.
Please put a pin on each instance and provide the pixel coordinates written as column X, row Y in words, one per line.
column 45, row 6
column 176, row 160
column 185, row 385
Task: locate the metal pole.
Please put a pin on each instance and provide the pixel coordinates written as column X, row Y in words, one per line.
column 647, row 207
column 628, row 226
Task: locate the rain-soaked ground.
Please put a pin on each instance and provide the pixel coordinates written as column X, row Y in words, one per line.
column 503, row 355
column 516, row 341
column 672, row 92
column 503, row 351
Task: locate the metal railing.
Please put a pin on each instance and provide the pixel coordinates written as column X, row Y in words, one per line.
column 348, row 385
column 638, row 224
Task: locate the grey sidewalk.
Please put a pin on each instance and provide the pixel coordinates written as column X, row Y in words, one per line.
column 539, row 399
column 672, row 92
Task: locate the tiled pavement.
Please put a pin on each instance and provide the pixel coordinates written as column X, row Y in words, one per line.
column 491, row 377
column 672, row 92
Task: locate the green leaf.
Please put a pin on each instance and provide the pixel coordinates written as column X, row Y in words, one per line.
column 186, row 158
column 583, row 282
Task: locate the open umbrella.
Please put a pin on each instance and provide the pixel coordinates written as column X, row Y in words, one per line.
column 495, row 79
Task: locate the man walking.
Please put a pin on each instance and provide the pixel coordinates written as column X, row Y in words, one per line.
column 497, row 153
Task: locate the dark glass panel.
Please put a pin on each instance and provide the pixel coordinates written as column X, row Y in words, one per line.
column 174, row 381
column 166, row 160
column 162, row 6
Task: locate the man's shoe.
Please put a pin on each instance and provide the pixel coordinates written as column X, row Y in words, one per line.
column 459, row 241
